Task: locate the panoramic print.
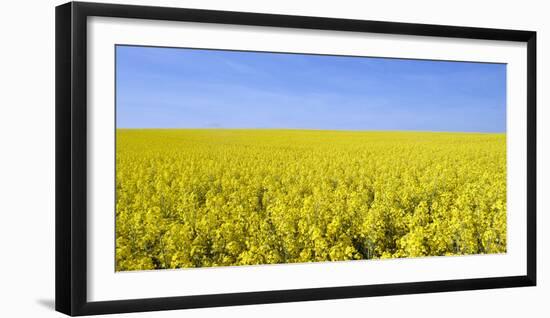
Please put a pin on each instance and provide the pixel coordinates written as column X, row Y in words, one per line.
column 228, row 158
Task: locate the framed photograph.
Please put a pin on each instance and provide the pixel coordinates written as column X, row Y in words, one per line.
column 214, row 158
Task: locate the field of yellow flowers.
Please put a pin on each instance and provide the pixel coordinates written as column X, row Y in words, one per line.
column 217, row 197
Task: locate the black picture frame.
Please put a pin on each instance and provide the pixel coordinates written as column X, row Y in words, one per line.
column 71, row 157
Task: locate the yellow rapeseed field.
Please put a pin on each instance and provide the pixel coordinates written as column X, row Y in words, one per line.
column 217, row 197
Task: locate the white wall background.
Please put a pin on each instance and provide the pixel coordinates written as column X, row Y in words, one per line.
column 27, row 158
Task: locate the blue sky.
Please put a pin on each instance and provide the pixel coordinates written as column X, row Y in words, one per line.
column 192, row 88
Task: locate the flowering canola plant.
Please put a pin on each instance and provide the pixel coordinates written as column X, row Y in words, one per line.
column 223, row 197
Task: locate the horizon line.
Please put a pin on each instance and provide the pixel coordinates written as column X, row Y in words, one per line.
column 311, row 129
